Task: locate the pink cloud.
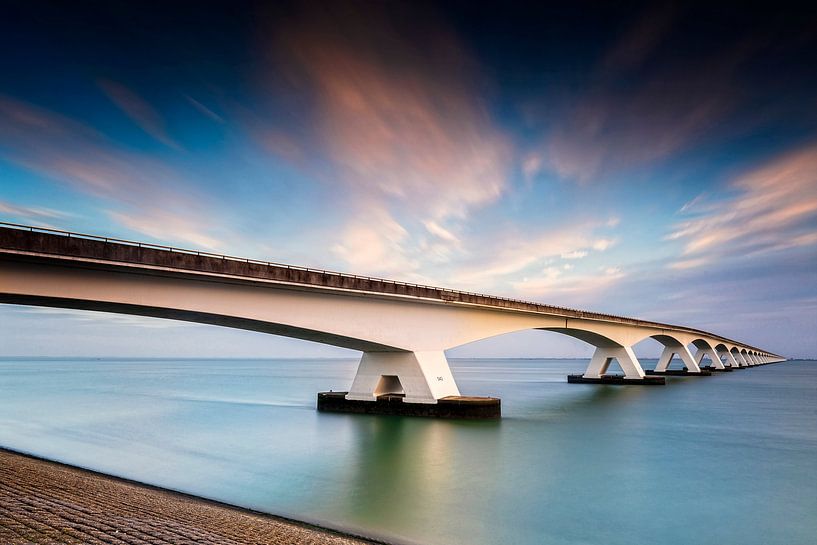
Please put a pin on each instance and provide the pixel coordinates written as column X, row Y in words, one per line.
column 775, row 210
column 404, row 139
column 408, row 126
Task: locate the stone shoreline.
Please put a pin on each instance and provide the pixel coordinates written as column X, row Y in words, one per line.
column 46, row 502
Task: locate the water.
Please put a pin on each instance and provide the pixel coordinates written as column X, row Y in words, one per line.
column 727, row 459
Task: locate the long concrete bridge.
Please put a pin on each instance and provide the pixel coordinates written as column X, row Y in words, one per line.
column 402, row 329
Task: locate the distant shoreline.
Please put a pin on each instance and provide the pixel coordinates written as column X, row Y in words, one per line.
column 133, row 508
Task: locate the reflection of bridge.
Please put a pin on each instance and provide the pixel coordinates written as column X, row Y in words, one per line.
column 402, row 329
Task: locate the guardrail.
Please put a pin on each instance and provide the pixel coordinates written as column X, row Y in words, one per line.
column 445, row 294
column 71, row 234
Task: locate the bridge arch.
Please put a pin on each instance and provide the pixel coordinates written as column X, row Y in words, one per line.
column 736, row 355
column 706, row 349
column 724, row 351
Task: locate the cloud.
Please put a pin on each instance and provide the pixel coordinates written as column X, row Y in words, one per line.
column 31, row 212
column 553, row 285
column 508, row 256
column 610, row 131
column 207, row 112
column 373, row 244
column 602, row 244
column 439, row 231
column 138, row 110
column 531, row 166
column 689, row 263
column 774, row 209
column 131, row 184
column 645, row 103
column 575, row 254
column 161, row 224
column 403, row 137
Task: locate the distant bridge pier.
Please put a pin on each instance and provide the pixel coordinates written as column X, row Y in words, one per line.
column 674, row 347
column 706, row 351
column 596, row 372
column 727, row 355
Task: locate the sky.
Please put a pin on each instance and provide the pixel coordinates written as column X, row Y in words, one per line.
column 642, row 159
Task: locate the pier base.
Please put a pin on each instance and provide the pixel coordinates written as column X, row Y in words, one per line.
column 393, row 404
column 716, row 370
column 615, row 379
column 678, row 373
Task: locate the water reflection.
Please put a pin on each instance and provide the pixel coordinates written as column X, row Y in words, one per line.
column 403, row 466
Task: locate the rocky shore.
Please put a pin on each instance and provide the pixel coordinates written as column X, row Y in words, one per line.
column 47, row 503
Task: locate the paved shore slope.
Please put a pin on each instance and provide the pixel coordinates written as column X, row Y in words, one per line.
column 45, row 502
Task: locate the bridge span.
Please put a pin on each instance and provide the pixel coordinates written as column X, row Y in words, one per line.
column 402, row 329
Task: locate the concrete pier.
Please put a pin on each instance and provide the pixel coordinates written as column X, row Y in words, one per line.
column 615, row 379
column 714, row 369
column 393, row 404
column 679, row 373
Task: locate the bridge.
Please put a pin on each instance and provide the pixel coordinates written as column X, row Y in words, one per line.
column 403, row 329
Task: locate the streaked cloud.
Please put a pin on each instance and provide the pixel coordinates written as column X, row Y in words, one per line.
column 575, row 254
column 643, row 105
column 611, row 131
column 139, row 111
column 508, row 257
column 774, row 208
column 375, row 243
column 407, row 138
column 38, row 213
column 204, row 109
column 159, row 224
column 131, row 184
column 555, row 285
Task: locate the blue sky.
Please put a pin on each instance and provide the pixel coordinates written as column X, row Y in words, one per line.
column 658, row 161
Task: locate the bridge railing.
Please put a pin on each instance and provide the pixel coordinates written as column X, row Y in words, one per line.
column 444, row 293
column 72, row 234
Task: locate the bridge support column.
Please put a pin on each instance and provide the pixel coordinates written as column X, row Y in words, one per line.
column 423, row 377
column 742, row 360
column 730, row 359
column 716, row 361
column 604, row 356
column 683, row 353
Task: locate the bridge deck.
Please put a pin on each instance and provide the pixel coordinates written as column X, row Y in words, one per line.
column 19, row 239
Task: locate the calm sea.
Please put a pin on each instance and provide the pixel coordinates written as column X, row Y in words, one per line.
column 727, row 459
